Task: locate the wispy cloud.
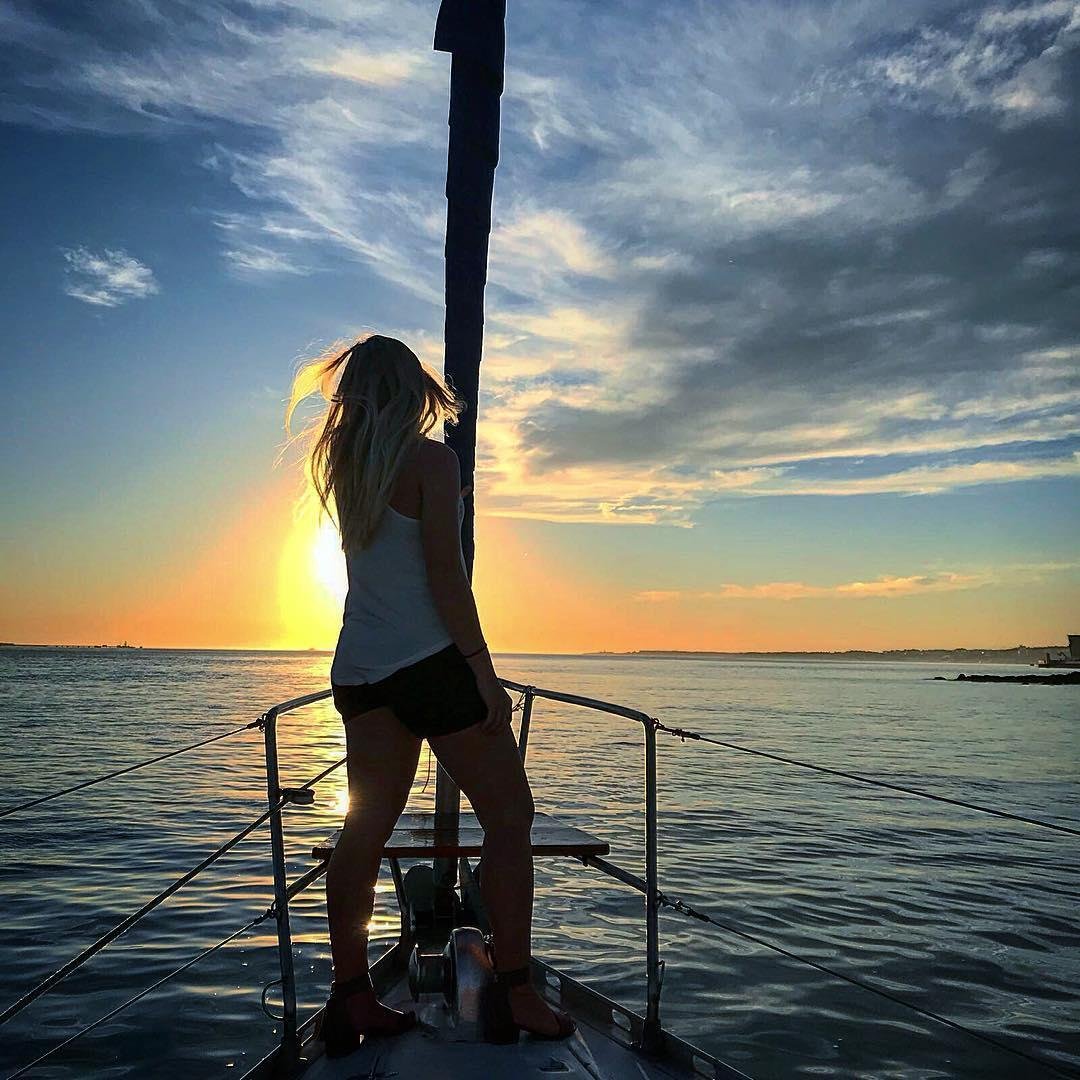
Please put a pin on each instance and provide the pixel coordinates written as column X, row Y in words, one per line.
column 387, row 69
column 713, row 274
column 1010, row 61
column 886, row 586
column 935, row 479
column 253, row 259
column 913, row 585
column 108, row 278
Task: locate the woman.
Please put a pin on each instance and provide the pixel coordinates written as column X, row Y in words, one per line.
column 411, row 663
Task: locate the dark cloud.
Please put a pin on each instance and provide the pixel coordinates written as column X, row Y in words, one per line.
column 945, row 293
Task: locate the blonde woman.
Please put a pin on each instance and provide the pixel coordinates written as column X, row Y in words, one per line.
column 411, row 663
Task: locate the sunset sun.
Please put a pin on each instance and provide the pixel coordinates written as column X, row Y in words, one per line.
column 327, row 560
column 311, row 583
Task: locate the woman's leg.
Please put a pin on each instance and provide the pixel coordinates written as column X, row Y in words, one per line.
column 489, row 770
column 382, row 757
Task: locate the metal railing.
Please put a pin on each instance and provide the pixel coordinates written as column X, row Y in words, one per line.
column 278, row 798
column 651, row 1032
column 274, row 794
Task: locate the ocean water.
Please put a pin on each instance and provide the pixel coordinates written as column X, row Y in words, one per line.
column 960, row 913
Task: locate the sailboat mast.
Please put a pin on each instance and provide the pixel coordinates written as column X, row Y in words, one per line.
column 474, row 33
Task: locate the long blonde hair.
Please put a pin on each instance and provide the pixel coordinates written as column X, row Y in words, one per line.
column 381, row 401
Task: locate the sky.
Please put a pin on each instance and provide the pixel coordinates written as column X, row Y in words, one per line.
column 783, row 316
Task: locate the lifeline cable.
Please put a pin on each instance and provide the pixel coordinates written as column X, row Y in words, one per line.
column 685, row 909
column 142, row 993
column 682, row 733
column 47, row 984
column 126, row 923
column 8, row 810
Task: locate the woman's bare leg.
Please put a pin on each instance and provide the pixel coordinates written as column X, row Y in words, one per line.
column 382, row 757
column 489, row 770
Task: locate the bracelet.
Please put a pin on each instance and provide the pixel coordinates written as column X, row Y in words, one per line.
column 476, row 652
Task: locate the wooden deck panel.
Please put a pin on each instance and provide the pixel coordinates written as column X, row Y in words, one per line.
column 417, row 836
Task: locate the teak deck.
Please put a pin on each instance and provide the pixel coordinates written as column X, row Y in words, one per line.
column 417, row 836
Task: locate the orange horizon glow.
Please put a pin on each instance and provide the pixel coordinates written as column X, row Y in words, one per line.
column 271, row 576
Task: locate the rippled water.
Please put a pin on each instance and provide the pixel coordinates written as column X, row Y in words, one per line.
column 958, row 912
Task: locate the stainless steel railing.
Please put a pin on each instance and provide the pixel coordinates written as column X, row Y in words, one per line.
column 653, row 971
column 290, row 1046
column 651, row 1032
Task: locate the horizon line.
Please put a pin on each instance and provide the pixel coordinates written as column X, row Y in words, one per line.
column 513, row 652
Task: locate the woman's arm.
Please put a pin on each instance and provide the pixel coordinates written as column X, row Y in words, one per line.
column 440, row 488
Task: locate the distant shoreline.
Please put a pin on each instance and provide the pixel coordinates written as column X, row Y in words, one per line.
column 1020, row 654
column 1025, row 654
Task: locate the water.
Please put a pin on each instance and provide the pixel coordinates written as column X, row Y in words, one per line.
column 958, row 912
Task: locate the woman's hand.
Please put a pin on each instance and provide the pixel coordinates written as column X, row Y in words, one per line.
column 498, row 703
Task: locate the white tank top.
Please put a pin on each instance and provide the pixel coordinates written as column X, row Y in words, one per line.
column 390, row 618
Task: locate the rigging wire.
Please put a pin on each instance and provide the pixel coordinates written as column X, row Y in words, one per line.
column 685, row 909
column 269, row 913
column 48, row 983
column 7, row 811
column 682, row 733
column 320, row 776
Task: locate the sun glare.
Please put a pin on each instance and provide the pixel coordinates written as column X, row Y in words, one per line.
column 328, row 562
column 311, row 584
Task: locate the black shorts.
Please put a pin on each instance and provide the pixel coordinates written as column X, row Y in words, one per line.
column 435, row 696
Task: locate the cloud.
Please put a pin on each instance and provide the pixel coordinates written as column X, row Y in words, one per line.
column 340, row 150
column 887, row 586
column 936, row 479
column 793, row 289
column 107, row 279
column 387, row 69
column 1006, row 61
column 534, row 239
column 247, row 257
column 791, row 248
column 255, row 259
column 658, row 596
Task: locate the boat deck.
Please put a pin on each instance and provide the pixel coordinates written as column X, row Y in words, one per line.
column 598, row 1049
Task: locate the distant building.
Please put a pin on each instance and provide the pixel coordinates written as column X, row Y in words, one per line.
column 1072, row 660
